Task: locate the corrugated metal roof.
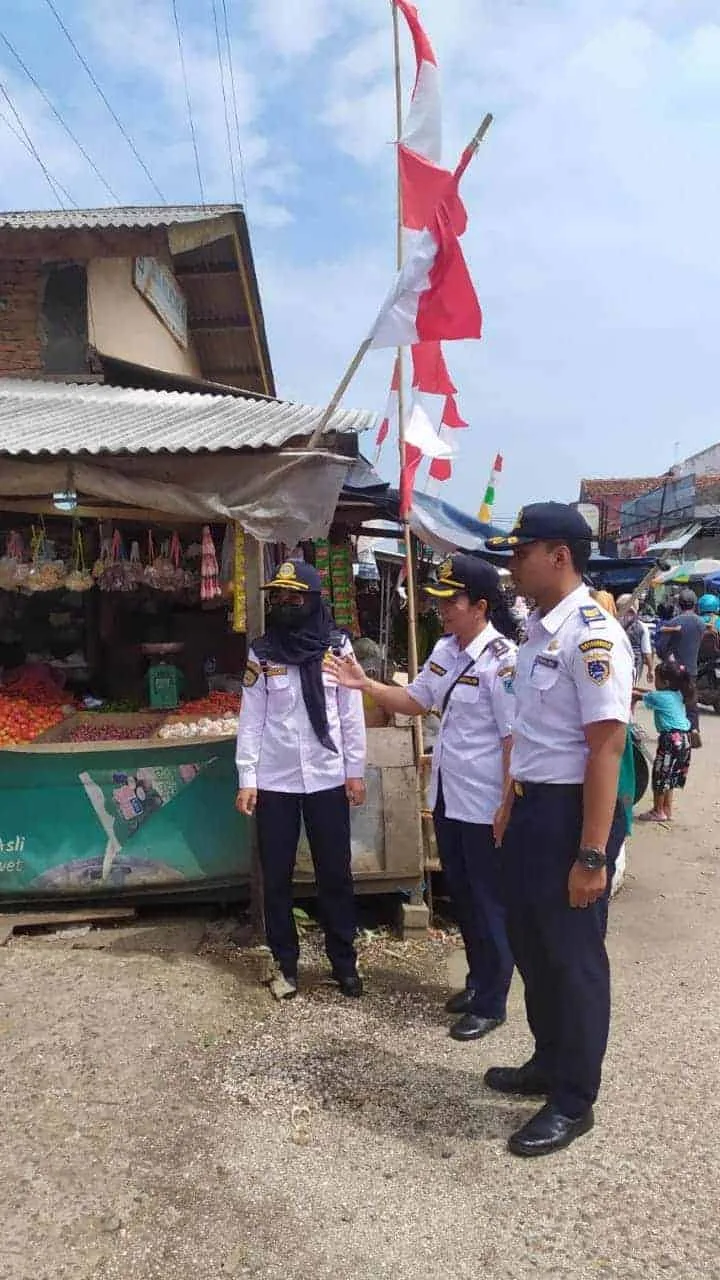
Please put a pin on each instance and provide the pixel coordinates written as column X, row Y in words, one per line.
column 45, row 417
column 135, row 216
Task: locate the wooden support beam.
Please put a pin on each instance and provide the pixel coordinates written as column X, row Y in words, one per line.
column 201, row 325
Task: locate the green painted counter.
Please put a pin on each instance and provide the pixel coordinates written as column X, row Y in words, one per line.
column 116, row 817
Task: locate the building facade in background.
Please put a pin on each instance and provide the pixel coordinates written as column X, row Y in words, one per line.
column 155, row 298
column 676, row 515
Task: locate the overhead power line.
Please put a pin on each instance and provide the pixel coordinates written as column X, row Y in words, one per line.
column 221, row 69
column 88, row 69
column 191, row 120
column 59, row 117
column 30, row 145
column 24, row 142
column 238, row 139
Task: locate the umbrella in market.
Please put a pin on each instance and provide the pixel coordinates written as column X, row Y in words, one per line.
column 705, row 568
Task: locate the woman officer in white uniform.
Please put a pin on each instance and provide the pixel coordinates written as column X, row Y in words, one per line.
column 301, row 753
column 468, row 678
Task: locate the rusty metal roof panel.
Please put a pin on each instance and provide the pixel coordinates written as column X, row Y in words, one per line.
column 69, row 418
column 133, row 217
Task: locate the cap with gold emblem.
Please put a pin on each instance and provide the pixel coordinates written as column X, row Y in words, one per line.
column 294, row 575
column 544, row 522
column 466, row 574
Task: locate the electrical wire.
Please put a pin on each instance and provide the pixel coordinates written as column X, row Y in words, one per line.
column 221, row 68
column 24, row 142
column 54, row 187
column 59, row 117
column 85, row 64
column 191, row 119
column 238, row 140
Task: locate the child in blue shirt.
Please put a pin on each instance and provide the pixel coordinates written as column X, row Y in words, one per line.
column 674, row 693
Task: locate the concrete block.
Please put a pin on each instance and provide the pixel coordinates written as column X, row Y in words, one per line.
column 414, row 920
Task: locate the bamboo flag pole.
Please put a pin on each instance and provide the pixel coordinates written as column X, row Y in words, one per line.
column 407, row 535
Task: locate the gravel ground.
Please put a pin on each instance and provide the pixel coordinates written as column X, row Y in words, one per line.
column 161, row 1117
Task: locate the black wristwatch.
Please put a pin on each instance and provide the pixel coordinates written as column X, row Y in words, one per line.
column 591, row 859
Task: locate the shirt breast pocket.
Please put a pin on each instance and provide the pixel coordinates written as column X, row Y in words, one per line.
column 279, row 693
column 466, row 694
column 544, row 676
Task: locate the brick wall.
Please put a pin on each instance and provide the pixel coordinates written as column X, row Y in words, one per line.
column 20, row 298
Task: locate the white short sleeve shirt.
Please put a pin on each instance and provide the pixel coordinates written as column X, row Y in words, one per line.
column 277, row 747
column 478, row 716
column 574, row 669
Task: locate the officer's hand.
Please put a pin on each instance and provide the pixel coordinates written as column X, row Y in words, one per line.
column 355, row 791
column 347, row 671
column 500, row 823
column 585, row 887
column 246, row 801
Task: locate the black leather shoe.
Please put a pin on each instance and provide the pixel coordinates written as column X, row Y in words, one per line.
column 351, row 986
column 525, row 1082
column 549, row 1131
column 471, row 1026
column 461, row 1002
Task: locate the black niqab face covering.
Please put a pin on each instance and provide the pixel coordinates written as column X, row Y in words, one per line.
column 299, row 636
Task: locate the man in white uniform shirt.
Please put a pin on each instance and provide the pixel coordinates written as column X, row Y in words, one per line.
column 561, row 824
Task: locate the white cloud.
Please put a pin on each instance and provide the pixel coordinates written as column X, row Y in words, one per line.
column 594, row 204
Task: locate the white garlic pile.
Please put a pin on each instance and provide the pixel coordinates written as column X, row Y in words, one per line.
column 226, row 727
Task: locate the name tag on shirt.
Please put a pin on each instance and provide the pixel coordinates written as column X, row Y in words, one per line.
column 544, row 660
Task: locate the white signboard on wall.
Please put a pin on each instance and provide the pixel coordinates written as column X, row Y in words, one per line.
column 161, row 291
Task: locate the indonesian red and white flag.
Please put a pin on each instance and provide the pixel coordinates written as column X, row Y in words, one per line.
column 440, row 469
column 391, row 409
column 433, row 298
column 430, row 372
column 422, row 130
column 421, row 441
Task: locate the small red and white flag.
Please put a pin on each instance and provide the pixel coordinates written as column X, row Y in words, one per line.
column 422, row 130
column 391, row 410
column 430, row 372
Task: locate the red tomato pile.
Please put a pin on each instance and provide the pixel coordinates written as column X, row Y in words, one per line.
column 214, row 705
column 30, row 704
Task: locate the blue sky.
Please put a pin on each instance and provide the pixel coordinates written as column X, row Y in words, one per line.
column 594, row 204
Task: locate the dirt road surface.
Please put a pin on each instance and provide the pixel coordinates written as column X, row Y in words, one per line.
column 161, row 1118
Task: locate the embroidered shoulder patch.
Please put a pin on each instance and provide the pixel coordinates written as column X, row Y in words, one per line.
column 598, row 669
column 507, row 675
column 590, row 613
column 437, row 670
column 498, row 648
column 599, row 643
column 252, row 671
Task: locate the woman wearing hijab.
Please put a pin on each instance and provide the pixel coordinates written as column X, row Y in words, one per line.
column 468, row 678
column 301, row 754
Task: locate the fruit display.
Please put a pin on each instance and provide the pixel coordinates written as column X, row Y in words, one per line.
column 214, row 706
column 30, row 704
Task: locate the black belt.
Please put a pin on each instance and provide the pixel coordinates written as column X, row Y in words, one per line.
column 530, row 788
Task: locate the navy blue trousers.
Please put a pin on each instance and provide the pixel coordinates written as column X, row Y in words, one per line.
column 559, row 949
column 327, row 822
column 472, row 869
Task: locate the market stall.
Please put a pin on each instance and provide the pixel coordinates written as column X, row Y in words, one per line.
column 122, row 641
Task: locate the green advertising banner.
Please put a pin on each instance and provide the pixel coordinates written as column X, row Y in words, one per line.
column 113, row 820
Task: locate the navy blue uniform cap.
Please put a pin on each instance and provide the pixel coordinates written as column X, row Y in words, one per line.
column 464, row 573
column 544, row 522
column 295, row 575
